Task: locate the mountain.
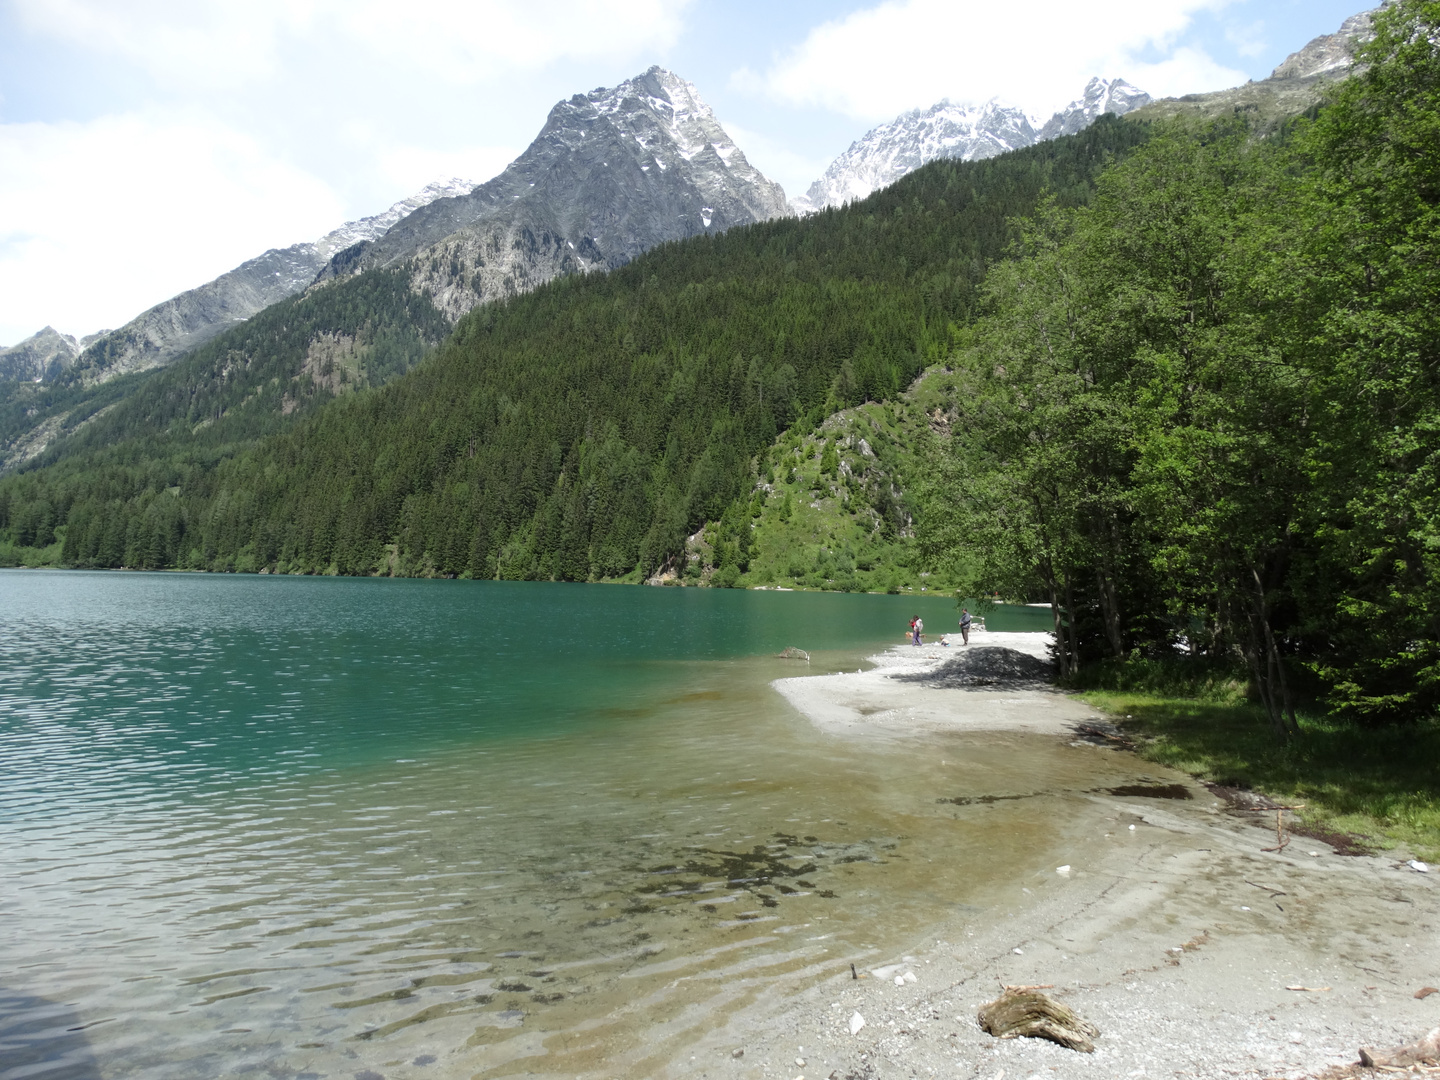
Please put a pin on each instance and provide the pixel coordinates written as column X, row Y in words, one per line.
column 612, row 173
column 1327, row 54
column 964, row 132
column 41, row 357
column 1100, row 97
column 585, row 428
column 157, row 336
column 888, row 152
column 1299, row 82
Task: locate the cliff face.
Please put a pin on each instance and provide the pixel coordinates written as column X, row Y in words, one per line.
column 612, row 173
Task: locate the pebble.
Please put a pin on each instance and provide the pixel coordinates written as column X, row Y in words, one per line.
column 856, row 1023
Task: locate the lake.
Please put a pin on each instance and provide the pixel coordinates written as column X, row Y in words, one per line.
column 335, row 827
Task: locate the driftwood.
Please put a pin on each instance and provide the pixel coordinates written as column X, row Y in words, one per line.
column 1030, row 1013
column 1424, row 1052
column 792, row 653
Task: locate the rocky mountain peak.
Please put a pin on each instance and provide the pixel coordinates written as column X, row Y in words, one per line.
column 888, row 152
column 1100, row 96
column 612, row 173
column 949, row 130
column 41, row 357
column 1329, row 53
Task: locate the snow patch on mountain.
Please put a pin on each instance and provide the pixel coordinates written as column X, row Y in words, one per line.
column 962, row 132
column 377, row 225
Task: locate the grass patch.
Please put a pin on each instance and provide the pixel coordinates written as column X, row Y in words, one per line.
column 1382, row 785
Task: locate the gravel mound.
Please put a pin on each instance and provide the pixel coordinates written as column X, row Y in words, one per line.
column 986, row 665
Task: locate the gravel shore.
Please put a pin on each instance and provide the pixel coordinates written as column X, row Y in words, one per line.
column 1196, row 952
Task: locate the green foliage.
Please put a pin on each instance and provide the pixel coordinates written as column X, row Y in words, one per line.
column 583, row 430
column 1206, row 403
column 1364, row 286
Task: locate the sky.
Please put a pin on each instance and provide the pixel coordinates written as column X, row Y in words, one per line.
column 147, row 146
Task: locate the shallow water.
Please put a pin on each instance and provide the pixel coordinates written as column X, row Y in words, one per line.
column 318, row 827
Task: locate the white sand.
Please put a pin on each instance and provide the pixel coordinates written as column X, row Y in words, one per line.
column 874, row 703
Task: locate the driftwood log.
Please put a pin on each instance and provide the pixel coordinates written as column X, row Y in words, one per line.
column 1030, row 1013
column 1424, row 1052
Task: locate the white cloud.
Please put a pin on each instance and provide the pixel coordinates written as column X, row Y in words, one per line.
column 1248, row 40
column 218, row 43
column 409, row 168
column 905, row 54
column 778, row 159
column 100, row 220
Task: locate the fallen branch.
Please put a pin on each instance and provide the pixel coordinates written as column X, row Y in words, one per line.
column 1424, row 1052
column 1031, row 1014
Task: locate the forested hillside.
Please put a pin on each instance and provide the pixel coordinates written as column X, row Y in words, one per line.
column 1204, row 410
column 252, row 380
column 579, row 431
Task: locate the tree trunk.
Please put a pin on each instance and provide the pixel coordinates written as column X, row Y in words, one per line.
column 1266, row 666
column 1110, row 608
column 1062, row 651
column 1277, row 666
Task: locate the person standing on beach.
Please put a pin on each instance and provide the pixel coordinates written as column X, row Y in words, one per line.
column 919, row 629
column 965, row 624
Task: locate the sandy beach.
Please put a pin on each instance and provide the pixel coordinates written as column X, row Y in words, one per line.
column 1196, row 952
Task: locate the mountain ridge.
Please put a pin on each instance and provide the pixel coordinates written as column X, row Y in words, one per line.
column 948, row 130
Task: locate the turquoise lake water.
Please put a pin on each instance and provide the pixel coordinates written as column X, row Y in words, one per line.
column 318, row 826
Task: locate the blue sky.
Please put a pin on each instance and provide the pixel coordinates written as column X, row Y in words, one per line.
column 149, row 145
